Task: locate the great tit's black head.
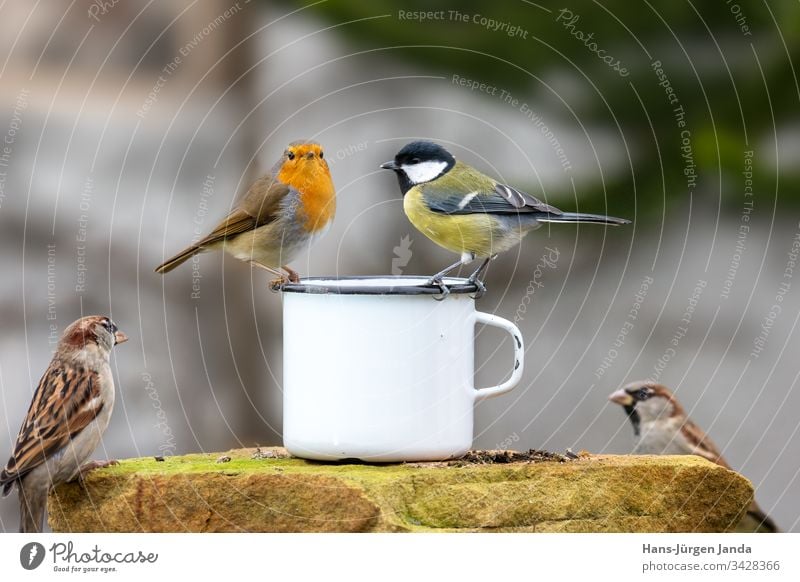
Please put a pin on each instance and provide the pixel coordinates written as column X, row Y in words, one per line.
column 646, row 401
column 419, row 162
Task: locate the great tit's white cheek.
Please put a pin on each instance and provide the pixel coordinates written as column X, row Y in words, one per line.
column 423, row 171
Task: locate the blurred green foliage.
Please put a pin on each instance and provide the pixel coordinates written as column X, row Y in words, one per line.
column 729, row 63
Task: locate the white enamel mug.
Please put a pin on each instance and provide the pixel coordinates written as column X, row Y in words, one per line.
column 376, row 369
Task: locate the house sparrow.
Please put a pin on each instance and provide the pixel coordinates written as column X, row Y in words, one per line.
column 661, row 427
column 66, row 419
column 281, row 213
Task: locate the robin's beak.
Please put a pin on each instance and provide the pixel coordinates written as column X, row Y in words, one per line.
column 389, row 166
column 119, row 337
column 621, row 397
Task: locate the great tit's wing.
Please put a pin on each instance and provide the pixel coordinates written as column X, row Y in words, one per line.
column 259, row 206
column 469, row 192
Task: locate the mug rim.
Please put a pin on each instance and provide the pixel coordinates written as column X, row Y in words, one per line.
column 315, row 286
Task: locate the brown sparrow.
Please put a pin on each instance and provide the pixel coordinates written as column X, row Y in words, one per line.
column 661, row 427
column 67, row 417
column 281, row 213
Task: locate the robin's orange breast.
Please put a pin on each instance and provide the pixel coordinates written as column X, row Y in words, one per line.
column 317, row 198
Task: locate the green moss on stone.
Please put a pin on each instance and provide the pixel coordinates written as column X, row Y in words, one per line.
column 596, row 493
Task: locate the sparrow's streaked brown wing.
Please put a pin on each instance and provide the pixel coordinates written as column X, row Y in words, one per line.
column 702, row 445
column 65, row 402
column 260, row 206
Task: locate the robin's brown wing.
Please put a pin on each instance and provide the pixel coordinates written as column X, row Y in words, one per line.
column 259, row 206
column 65, row 402
column 702, row 445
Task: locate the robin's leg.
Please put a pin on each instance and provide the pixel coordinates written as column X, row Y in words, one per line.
column 294, row 276
column 275, row 283
column 266, row 268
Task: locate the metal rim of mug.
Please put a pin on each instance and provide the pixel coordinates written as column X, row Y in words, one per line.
column 315, row 286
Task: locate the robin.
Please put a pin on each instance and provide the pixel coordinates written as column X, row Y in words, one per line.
column 281, row 213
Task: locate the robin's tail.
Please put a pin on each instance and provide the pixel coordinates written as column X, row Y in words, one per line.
column 581, row 217
column 179, row 259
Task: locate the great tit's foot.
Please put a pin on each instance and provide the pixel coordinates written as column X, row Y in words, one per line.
column 293, row 275
column 442, row 287
column 481, row 288
column 86, row 468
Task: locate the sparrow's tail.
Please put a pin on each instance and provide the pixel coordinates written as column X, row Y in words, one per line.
column 32, row 505
column 179, row 259
column 7, row 480
column 581, row 217
column 762, row 522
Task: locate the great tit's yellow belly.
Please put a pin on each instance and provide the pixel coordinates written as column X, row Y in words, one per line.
column 481, row 234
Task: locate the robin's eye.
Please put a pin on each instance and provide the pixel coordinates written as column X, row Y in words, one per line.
column 321, row 155
column 290, row 155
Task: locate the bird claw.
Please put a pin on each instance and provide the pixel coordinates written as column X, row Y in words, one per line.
column 291, row 274
column 481, row 288
column 475, row 278
column 86, row 468
column 442, row 287
column 276, row 284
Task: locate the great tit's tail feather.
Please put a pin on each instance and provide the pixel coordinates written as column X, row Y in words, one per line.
column 581, row 217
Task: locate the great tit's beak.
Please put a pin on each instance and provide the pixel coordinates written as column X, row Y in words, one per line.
column 389, row 166
column 119, row 337
column 621, row 397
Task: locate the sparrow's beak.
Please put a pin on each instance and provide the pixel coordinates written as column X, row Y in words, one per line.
column 119, row 337
column 621, row 397
column 389, row 166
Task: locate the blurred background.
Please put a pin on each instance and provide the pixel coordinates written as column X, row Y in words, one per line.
column 130, row 128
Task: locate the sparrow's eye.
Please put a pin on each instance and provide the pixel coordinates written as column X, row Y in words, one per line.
column 643, row 394
column 290, row 155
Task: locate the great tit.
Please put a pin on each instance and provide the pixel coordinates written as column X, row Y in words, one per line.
column 467, row 212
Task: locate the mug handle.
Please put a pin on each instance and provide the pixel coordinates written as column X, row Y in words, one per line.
column 519, row 355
